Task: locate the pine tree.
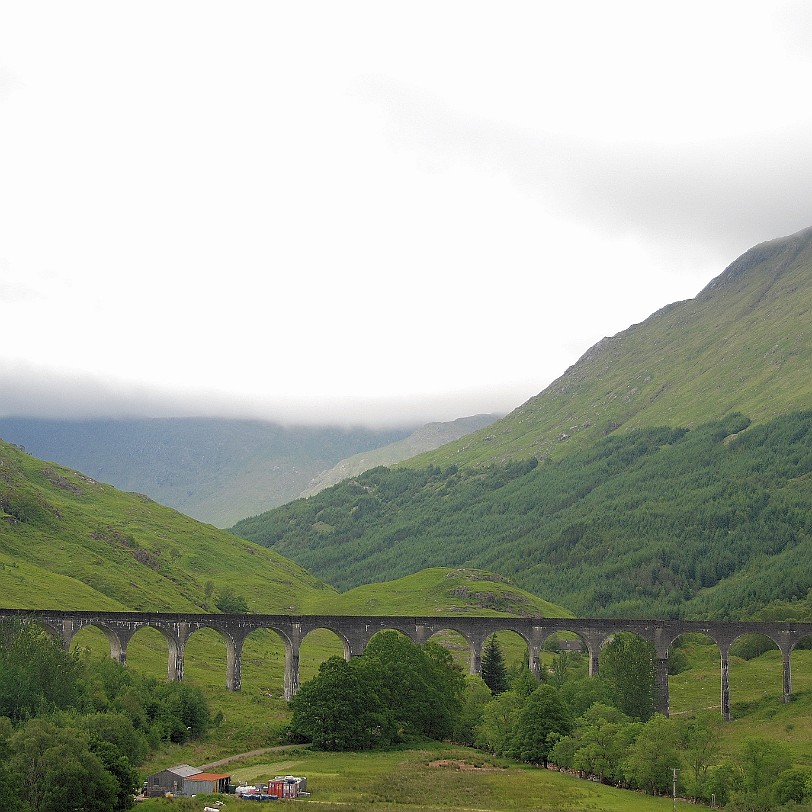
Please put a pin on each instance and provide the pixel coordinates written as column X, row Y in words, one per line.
column 494, row 673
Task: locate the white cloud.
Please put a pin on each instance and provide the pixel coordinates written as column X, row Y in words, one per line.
column 361, row 209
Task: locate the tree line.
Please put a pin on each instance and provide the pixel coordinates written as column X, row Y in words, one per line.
column 603, row 727
column 73, row 730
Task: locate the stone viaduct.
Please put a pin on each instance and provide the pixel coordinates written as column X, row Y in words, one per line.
column 356, row 631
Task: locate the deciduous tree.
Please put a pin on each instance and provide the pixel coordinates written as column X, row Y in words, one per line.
column 627, row 665
column 653, row 756
column 338, row 711
column 542, row 721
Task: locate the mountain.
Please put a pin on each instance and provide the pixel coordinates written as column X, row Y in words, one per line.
column 219, row 470
column 744, row 344
column 426, row 438
column 667, row 472
column 215, row 470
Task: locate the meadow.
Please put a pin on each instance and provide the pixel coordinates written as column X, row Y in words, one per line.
column 426, row 777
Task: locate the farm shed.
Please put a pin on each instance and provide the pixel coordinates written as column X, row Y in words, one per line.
column 206, row 782
column 169, row 780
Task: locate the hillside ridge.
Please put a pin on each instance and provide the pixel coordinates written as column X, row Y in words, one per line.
column 744, row 343
column 70, row 542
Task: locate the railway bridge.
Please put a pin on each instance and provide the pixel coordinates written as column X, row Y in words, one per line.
column 356, row 631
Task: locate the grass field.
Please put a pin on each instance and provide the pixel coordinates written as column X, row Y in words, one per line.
column 432, row 776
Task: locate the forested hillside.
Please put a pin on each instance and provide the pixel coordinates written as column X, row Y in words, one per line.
column 711, row 521
column 427, row 437
column 667, row 472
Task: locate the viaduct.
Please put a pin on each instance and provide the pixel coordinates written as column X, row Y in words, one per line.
column 356, row 631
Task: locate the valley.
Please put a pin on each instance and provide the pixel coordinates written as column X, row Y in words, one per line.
column 666, row 478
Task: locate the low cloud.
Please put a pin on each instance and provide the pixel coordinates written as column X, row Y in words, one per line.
column 26, row 392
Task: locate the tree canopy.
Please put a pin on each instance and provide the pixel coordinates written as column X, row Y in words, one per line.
column 396, row 691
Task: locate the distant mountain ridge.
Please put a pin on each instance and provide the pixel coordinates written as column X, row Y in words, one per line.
column 221, row 470
column 426, row 438
column 215, row 470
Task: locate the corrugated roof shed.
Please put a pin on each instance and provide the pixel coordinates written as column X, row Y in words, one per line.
column 183, row 770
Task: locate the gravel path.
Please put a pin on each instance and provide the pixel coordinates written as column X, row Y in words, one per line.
column 279, row 749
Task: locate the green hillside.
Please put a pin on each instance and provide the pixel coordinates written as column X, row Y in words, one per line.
column 667, row 472
column 69, row 542
column 743, row 344
column 664, row 522
column 439, row 591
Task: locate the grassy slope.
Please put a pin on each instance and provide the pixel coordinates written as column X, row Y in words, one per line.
column 67, row 541
column 743, row 344
column 431, row 777
column 439, row 591
column 709, row 522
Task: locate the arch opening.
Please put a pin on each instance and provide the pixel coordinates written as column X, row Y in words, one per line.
column 801, row 661
column 148, row 652
column 755, row 676
column 263, row 663
column 95, row 641
column 629, row 671
column 693, row 674
column 456, row 645
column 206, row 659
column 564, row 657
column 316, row 647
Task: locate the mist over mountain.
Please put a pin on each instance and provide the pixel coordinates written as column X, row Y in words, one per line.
column 222, row 470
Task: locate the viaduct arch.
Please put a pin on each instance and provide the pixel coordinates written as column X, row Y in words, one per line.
column 356, row 631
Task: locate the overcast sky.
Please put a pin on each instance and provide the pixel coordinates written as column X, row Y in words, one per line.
column 358, row 212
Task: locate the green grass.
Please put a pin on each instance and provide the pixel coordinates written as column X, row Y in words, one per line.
column 756, row 697
column 438, row 591
column 431, row 776
column 69, row 542
column 256, row 716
